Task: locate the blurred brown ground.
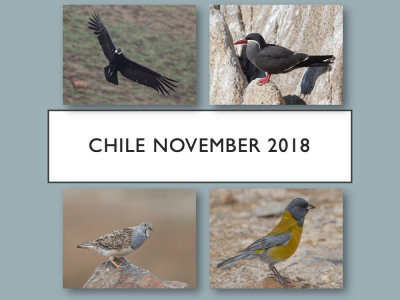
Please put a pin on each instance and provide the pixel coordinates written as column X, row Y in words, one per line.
column 170, row 252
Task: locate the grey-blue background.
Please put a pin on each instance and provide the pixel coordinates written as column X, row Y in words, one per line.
column 31, row 209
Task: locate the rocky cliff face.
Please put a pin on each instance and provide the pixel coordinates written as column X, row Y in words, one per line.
column 311, row 29
column 109, row 277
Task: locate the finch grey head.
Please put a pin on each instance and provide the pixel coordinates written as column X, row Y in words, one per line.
column 299, row 208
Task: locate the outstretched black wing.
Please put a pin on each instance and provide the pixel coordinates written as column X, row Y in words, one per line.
column 143, row 75
column 100, row 31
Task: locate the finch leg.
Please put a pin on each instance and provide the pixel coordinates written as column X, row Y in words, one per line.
column 265, row 80
column 282, row 280
column 115, row 264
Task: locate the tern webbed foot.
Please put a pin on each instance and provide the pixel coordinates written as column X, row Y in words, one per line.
column 264, row 80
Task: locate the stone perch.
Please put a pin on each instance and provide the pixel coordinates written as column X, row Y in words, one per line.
column 267, row 94
column 107, row 276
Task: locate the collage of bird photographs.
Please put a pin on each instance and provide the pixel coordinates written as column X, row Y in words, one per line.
column 146, row 238
column 211, row 150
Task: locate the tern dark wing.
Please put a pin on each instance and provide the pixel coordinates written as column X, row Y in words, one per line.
column 276, row 51
column 268, row 242
column 143, row 75
column 101, row 32
column 276, row 59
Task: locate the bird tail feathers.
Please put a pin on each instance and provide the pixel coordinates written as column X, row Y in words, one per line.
column 317, row 61
column 85, row 245
column 232, row 259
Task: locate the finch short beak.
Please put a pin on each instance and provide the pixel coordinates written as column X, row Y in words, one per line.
column 151, row 228
column 310, row 206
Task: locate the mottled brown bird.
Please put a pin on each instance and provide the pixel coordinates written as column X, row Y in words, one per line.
column 120, row 242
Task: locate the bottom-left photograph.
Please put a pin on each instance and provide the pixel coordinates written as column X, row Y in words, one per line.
column 129, row 238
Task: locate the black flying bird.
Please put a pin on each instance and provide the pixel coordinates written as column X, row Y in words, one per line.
column 274, row 59
column 119, row 62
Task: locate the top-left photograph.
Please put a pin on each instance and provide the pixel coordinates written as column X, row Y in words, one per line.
column 129, row 54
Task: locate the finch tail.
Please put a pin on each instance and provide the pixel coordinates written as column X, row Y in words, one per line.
column 85, row 245
column 232, row 259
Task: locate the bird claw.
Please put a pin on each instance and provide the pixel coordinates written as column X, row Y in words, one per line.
column 264, row 80
column 117, row 265
column 284, row 281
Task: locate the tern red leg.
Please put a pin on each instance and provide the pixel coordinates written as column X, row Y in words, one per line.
column 265, row 80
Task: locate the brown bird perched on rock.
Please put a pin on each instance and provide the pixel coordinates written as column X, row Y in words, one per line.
column 120, row 242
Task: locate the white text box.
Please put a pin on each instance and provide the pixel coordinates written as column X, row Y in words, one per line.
column 175, row 146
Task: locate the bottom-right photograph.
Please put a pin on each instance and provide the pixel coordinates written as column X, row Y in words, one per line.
column 276, row 238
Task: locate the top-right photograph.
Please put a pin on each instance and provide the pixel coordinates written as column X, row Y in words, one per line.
column 276, row 55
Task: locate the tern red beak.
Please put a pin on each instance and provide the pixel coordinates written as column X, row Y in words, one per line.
column 244, row 41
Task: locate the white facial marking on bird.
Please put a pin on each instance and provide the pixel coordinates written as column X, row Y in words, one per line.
column 253, row 41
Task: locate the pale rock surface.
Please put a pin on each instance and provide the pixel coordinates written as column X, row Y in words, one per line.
column 227, row 81
column 267, row 94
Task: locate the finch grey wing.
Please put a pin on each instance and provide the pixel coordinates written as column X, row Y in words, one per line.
column 268, row 242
